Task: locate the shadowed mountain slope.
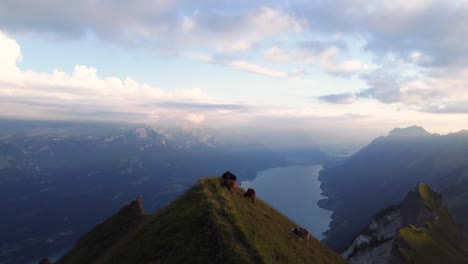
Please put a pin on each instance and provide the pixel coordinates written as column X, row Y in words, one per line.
column 384, row 171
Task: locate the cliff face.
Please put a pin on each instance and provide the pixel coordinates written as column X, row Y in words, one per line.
column 391, row 236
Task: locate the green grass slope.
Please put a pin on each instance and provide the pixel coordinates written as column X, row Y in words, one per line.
column 441, row 242
column 208, row 224
column 103, row 237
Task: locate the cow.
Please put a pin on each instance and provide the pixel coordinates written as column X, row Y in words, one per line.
column 250, row 193
column 231, row 185
column 300, row 232
column 229, row 176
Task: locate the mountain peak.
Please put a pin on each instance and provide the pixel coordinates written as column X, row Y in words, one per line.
column 461, row 133
column 412, row 131
column 419, row 230
column 206, row 224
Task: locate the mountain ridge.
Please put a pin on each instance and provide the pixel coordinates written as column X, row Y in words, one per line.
column 418, row 230
column 381, row 174
column 206, row 224
column 412, row 131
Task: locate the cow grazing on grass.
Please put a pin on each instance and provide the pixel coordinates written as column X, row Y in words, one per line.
column 300, row 232
column 229, row 176
column 231, row 185
column 250, row 193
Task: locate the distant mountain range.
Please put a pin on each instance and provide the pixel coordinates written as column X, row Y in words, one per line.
column 383, row 172
column 207, row 224
column 419, row 230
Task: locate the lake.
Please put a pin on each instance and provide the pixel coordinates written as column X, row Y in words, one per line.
column 294, row 191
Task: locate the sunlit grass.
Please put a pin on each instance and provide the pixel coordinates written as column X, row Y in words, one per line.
column 441, row 242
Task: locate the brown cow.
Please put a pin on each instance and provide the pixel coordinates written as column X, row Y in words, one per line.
column 250, row 193
column 300, row 232
column 231, row 185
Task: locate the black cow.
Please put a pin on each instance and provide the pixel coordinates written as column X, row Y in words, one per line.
column 229, row 176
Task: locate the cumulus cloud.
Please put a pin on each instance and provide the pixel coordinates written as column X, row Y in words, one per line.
column 83, row 93
column 10, row 54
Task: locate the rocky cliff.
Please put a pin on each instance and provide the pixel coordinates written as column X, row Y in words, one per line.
column 419, row 230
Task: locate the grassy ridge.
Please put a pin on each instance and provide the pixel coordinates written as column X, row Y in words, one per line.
column 208, row 224
column 441, row 242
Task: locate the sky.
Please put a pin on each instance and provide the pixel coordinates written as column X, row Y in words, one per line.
column 310, row 70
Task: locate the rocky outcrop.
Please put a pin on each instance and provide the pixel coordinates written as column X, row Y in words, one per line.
column 379, row 242
column 135, row 207
column 376, row 243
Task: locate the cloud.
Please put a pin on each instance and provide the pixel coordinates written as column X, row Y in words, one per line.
column 343, row 98
column 238, row 64
column 10, row 54
column 352, row 116
column 436, row 91
column 83, row 93
column 251, row 67
column 328, row 60
column 409, row 53
column 428, row 32
column 195, row 118
column 234, row 32
column 278, row 55
column 434, row 29
column 329, row 63
column 200, row 106
column 457, row 108
column 159, row 24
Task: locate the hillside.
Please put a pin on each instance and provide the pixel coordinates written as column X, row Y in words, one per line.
column 207, row 224
column 384, row 171
column 419, row 230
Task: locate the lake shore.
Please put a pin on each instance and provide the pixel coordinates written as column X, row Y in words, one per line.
column 294, row 191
